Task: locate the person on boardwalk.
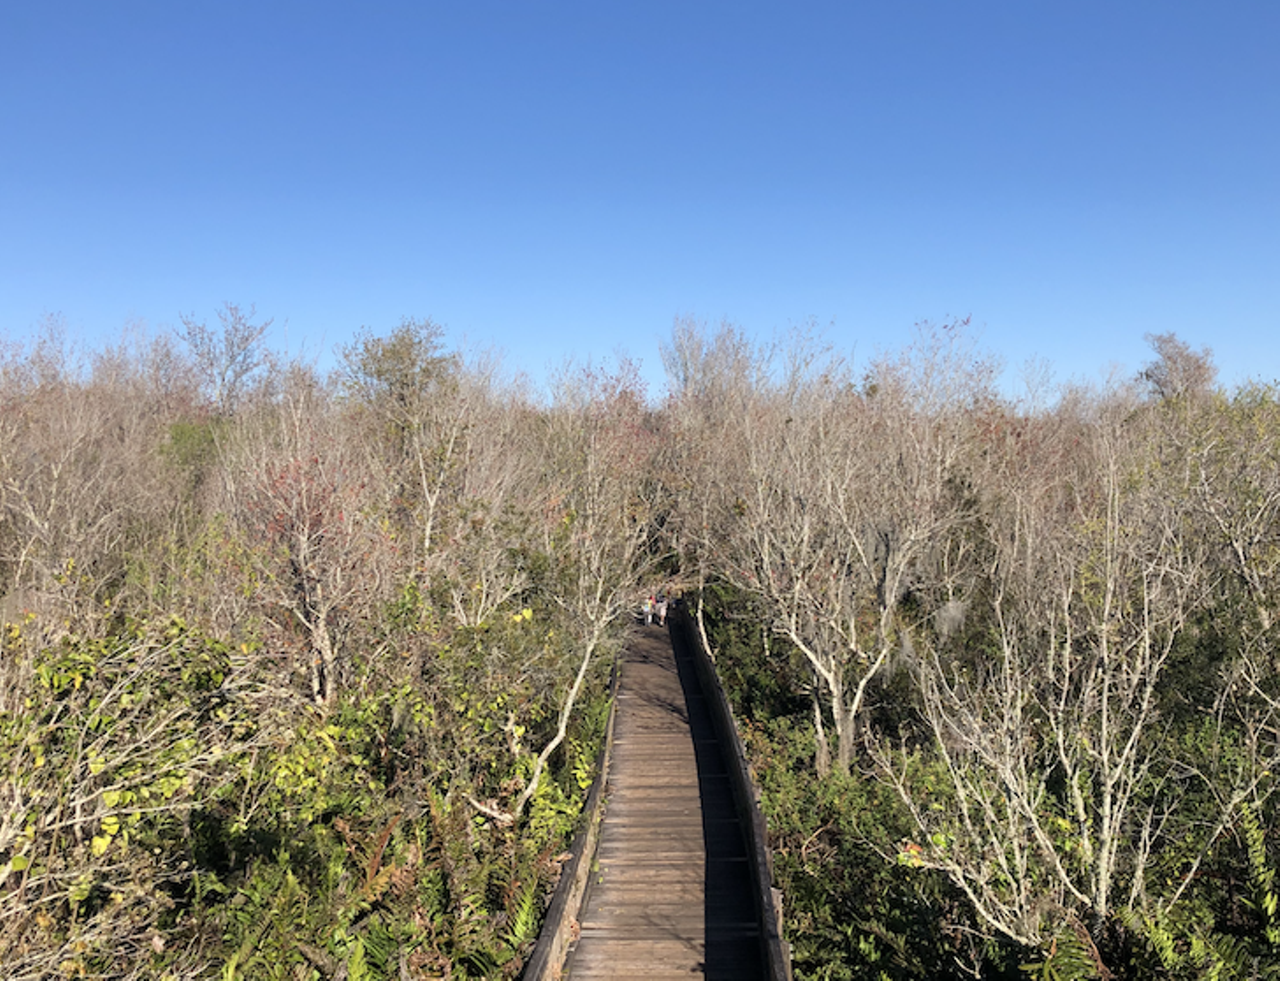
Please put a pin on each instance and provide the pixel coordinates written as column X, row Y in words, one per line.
column 648, row 610
column 662, row 609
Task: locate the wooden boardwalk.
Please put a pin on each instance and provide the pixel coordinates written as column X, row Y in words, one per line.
column 671, row 894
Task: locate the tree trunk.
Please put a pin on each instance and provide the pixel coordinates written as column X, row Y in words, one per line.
column 822, row 755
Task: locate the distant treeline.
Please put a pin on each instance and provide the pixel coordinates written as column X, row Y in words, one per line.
column 304, row 673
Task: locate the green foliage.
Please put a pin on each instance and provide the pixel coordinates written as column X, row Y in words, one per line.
column 368, row 886
column 1262, row 878
column 398, row 372
column 1222, row 933
column 524, row 917
column 118, row 741
column 1071, row 957
column 282, row 841
column 192, row 448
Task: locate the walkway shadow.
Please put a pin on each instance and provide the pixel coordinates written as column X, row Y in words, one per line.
column 732, row 927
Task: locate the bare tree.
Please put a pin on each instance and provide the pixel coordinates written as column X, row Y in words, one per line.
column 1234, row 450
column 489, row 525
column 229, row 356
column 713, row 383
column 1059, row 787
column 1178, row 371
column 415, row 391
column 306, row 504
column 836, row 494
column 596, row 522
column 81, row 478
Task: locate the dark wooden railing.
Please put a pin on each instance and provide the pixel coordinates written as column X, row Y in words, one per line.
column 774, row 948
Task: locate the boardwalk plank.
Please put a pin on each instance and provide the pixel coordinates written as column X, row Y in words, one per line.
column 670, row 896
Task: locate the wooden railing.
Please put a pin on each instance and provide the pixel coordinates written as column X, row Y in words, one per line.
column 776, row 952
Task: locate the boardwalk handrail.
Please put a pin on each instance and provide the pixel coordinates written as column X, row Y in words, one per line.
column 560, row 925
column 776, row 952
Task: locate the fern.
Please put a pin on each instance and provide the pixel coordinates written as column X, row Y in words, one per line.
column 1072, row 956
column 1262, row 877
column 382, row 946
column 357, row 966
column 1186, row 947
column 524, row 917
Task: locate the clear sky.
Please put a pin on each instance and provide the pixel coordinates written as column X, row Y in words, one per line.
column 564, row 179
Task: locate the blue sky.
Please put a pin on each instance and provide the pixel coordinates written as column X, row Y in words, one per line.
column 562, row 180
